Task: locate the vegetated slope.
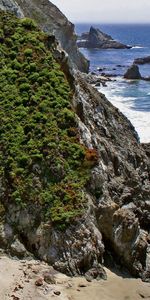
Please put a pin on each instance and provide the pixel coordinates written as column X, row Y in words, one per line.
column 44, row 185
column 51, row 20
column 41, row 159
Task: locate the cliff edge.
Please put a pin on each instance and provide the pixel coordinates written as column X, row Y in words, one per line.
column 51, row 20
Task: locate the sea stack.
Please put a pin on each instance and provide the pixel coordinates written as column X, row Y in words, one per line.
column 133, row 73
column 95, row 38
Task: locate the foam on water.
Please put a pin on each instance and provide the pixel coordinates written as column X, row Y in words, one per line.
column 139, row 119
column 131, row 97
column 137, row 47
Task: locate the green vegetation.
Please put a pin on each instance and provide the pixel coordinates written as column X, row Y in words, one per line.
column 41, row 159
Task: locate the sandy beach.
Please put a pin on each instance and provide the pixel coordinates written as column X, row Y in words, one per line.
column 26, row 280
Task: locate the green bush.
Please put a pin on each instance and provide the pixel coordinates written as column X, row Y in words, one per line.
column 28, row 52
column 24, row 87
column 28, row 23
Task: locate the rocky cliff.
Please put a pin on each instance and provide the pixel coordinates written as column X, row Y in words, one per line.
column 95, row 38
column 74, row 179
column 51, row 20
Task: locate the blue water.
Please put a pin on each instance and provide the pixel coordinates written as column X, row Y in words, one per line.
column 131, row 97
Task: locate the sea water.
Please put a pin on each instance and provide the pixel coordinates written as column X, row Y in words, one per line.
column 132, row 97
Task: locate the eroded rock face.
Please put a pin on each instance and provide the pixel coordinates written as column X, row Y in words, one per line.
column 51, row 20
column 120, row 183
column 77, row 250
column 10, row 5
column 95, row 38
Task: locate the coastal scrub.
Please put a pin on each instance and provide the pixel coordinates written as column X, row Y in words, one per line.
column 41, row 159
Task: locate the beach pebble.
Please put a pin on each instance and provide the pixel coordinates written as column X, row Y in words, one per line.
column 39, row 282
column 57, row 293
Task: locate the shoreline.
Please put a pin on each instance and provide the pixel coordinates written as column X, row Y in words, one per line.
column 35, row 280
column 112, row 88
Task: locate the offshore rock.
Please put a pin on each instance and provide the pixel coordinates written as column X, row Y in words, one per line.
column 142, row 60
column 51, row 20
column 95, row 38
column 133, row 73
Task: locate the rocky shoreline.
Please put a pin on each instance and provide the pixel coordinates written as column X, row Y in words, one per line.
column 116, row 216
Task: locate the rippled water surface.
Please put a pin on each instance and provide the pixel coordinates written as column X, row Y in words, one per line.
column 131, row 97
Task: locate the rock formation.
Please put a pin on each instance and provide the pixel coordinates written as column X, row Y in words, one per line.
column 133, row 73
column 142, row 60
column 51, row 20
column 74, row 179
column 95, row 38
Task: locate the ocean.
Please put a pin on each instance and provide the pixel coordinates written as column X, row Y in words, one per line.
column 131, row 97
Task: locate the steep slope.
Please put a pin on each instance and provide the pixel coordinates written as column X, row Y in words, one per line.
column 51, row 20
column 74, row 180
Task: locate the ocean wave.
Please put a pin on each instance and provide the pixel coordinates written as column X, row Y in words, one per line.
column 138, row 47
column 139, row 119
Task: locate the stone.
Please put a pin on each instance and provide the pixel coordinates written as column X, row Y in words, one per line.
column 49, row 278
column 57, row 293
column 133, row 73
column 39, row 282
column 18, row 249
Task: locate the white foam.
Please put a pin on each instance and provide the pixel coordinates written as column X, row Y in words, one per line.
column 139, row 119
column 137, row 47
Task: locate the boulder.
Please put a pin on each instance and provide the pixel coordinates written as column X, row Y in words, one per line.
column 95, row 38
column 133, row 73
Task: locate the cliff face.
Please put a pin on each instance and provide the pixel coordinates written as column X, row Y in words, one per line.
column 119, row 185
column 51, row 20
column 74, row 180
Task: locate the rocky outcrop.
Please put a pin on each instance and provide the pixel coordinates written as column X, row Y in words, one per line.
column 142, row 60
column 133, row 73
column 9, row 5
column 51, row 20
column 119, row 185
column 95, row 38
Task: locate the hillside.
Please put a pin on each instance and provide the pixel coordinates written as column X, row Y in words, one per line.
column 51, row 20
column 74, row 180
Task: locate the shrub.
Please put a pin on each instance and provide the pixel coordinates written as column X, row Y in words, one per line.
column 28, row 23
column 24, row 87
column 28, row 52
